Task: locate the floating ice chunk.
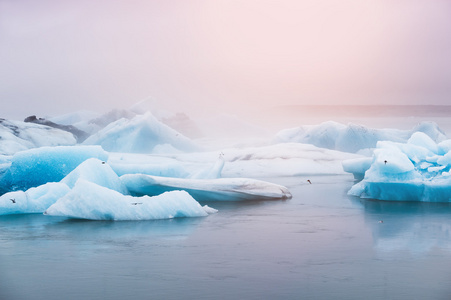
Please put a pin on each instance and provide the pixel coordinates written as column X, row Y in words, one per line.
column 38, row 166
column 98, row 172
column 431, row 129
column 435, row 169
column 34, row 200
column 423, row 140
column 91, row 201
column 209, row 210
column 38, row 199
column 391, row 161
column 424, row 165
column 221, row 189
column 444, row 147
column 284, row 159
column 357, row 166
column 445, row 160
column 413, row 152
column 407, row 172
column 139, row 135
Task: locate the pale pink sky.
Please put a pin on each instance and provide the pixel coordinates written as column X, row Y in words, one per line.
column 60, row 56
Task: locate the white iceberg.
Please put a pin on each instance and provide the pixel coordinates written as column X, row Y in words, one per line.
column 18, row 136
column 221, row 189
column 285, row 159
column 91, row 201
column 141, row 134
column 352, row 137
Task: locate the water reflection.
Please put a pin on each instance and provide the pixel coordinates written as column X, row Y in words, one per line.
column 415, row 227
column 40, row 227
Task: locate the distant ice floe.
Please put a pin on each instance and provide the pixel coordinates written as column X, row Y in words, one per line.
column 418, row 170
column 352, row 137
column 285, row 159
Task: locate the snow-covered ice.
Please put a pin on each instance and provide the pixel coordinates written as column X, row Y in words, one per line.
column 34, row 200
column 221, row 189
column 17, row 136
column 98, row 172
column 88, row 200
column 141, row 134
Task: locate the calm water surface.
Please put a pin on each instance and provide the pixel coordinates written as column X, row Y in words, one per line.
column 321, row 244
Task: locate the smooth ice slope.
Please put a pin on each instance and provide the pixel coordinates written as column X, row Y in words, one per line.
column 35, row 167
column 146, row 164
column 98, row 172
column 221, row 189
column 142, row 134
column 415, row 171
column 90, row 201
column 352, row 137
column 18, row 136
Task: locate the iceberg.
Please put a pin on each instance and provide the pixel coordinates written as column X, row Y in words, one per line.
column 34, row 167
column 34, row 200
column 141, row 134
column 18, row 136
column 88, row 200
column 98, row 172
column 221, row 189
column 414, row 171
column 38, row 199
column 80, row 135
column 352, row 137
column 94, row 191
column 284, row 159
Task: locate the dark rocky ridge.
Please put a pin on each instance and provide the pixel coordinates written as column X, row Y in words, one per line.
column 80, row 135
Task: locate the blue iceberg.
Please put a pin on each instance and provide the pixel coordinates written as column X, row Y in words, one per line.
column 34, row 167
column 418, row 170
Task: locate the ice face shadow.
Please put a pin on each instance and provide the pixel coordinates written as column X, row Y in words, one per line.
column 415, row 227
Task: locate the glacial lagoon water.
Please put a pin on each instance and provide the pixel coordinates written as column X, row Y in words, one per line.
column 321, row 244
